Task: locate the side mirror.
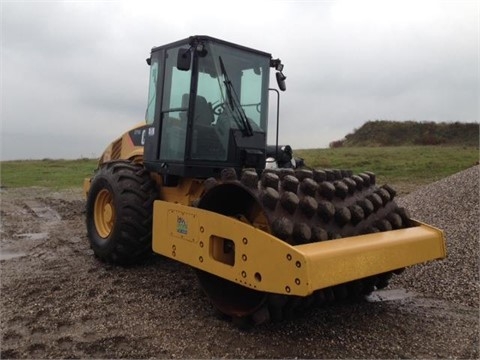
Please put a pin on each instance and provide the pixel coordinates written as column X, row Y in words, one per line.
column 281, row 81
column 184, row 59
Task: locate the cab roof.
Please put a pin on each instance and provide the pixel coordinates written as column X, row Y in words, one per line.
column 195, row 39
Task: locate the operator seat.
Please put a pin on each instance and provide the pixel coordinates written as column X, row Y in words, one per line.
column 203, row 112
column 206, row 143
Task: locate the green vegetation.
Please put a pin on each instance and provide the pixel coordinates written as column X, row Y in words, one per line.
column 405, row 167
column 58, row 174
column 399, row 133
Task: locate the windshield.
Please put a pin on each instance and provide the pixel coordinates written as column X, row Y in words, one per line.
column 232, row 93
column 235, row 82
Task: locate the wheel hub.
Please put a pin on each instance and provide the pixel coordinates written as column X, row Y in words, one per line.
column 104, row 213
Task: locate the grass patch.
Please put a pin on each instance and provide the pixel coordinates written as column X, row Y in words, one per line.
column 57, row 174
column 405, row 167
column 415, row 165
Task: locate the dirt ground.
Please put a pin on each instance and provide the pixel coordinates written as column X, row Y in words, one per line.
column 58, row 301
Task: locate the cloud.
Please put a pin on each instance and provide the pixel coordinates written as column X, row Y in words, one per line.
column 75, row 72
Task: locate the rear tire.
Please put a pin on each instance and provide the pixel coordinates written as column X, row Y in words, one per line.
column 119, row 213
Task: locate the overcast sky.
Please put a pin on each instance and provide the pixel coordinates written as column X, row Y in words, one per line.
column 74, row 76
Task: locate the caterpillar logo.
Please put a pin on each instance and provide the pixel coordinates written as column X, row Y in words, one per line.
column 182, row 225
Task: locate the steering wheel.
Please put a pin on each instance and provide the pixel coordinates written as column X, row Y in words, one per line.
column 219, row 109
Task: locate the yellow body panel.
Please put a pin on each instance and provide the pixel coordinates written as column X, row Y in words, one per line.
column 185, row 192
column 365, row 255
column 122, row 148
column 241, row 253
column 86, row 186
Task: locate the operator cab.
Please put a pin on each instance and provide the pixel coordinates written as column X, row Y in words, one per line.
column 207, row 107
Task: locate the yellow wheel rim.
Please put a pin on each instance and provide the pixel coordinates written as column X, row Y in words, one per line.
column 104, row 213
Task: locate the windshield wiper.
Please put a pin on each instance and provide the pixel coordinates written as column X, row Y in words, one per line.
column 234, row 102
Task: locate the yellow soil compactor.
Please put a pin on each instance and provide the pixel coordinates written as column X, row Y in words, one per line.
column 196, row 182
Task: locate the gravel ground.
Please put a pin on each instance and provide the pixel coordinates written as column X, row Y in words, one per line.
column 451, row 204
column 58, row 301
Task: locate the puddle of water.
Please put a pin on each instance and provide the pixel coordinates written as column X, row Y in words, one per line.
column 33, row 236
column 43, row 211
column 8, row 255
column 390, row 295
